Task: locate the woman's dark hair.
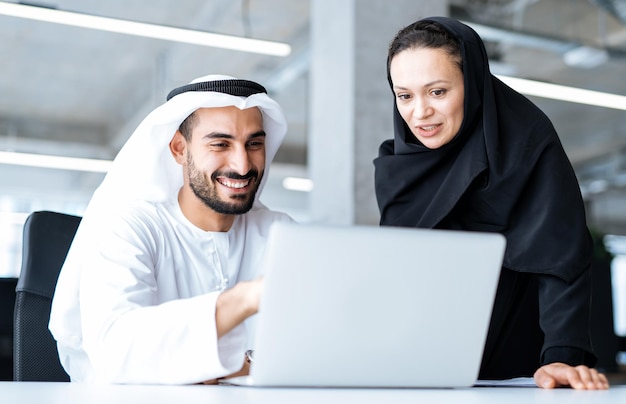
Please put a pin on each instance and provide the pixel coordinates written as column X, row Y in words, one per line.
column 424, row 34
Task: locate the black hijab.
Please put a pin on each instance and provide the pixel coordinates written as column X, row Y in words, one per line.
column 505, row 171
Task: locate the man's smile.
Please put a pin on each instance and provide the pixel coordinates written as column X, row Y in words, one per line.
column 231, row 183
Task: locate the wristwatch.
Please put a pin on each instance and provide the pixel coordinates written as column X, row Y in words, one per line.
column 249, row 355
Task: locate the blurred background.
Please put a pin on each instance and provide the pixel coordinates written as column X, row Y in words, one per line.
column 80, row 92
column 77, row 77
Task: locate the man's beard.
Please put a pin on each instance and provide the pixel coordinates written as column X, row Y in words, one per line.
column 206, row 189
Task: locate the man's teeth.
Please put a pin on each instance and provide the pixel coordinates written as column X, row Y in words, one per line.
column 235, row 184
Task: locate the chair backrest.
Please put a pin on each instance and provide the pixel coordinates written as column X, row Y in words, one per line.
column 47, row 238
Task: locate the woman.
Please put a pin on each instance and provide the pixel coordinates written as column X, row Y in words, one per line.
column 470, row 153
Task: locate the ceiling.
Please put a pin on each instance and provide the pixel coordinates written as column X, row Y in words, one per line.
column 78, row 92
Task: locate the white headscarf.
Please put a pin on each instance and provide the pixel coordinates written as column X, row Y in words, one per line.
column 145, row 170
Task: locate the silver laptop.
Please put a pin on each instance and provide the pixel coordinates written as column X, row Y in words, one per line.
column 362, row 306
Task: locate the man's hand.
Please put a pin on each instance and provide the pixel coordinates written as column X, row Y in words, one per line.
column 233, row 307
column 580, row 377
column 236, row 304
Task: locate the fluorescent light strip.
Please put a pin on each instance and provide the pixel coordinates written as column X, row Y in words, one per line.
column 102, row 166
column 565, row 93
column 58, row 162
column 146, row 30
column 298, row 184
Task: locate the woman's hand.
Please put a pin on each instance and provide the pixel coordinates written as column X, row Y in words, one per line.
column 580, row 377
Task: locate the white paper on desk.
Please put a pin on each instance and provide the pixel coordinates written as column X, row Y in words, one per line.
column 515, row 382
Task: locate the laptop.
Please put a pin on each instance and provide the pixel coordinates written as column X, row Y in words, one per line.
column 365, row 306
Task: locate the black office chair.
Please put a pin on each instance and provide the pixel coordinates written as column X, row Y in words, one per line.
column 47, row 238
column 7, row 303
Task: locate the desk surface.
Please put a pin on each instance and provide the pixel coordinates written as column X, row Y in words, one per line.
column 70, row 393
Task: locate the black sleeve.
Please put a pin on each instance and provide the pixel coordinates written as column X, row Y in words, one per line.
column 564, row 314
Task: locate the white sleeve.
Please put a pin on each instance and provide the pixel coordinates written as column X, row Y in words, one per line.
column 130, row 338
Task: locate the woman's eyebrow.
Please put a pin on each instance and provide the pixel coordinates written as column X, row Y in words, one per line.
column 431, row 83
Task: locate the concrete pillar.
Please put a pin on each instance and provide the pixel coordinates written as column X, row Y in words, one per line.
column 350, row 101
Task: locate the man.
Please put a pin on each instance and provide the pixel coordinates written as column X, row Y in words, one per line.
column 165, row 267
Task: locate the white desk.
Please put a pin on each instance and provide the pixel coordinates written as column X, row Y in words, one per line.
column 72, row 393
